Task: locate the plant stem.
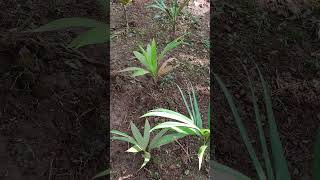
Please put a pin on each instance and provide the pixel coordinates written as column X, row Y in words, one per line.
column 126, row 18
column 155, row 81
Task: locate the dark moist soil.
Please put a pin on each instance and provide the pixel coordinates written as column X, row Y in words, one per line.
column 131, row 98
column 285, row 45
column 53, row 103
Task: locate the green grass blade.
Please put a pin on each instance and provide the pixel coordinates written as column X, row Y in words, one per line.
column 219, row 168
column 102, row 174
column 242, row 130
column 192, row 110
column 201, row 153
column 196, row 109
column 316, row 170
column 97, row 35
column 280, row 162
column 267, row 161
column 185, row 102
column 137, row 136
column 65, row 23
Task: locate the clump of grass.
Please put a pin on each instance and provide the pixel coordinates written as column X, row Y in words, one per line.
column 275, row 167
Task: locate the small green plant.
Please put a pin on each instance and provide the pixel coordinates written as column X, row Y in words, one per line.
column 142, row 143
column 97, row 33
column 276, row 168
column 152, row 61
column 191, row 125
column 125, row 4
column 172, row 12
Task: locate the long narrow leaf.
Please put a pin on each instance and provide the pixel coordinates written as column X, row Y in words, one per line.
column 175, row 43
column 196, row 109
column 201, row 153
column 263, row 142
column 166, row 113
column 185, row 101
column 156, row 138
column 173, row 124
column 242, row 130
column 129, row 140
column 137, row 136
column 280, row 162
column 141, row 58
column 97, row 35
column 186, row 131
column 168, row 139
column 147, row 157
column 146, row 134
column 65, row 23
column 136, row 71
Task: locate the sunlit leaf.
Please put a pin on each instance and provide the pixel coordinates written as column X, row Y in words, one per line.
column 201, row 152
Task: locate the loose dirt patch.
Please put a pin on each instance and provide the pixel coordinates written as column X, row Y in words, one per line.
column 133, row 97
column 52, row 102
column 284, row 47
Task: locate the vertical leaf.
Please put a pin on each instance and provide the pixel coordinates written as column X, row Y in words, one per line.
column 146, row 134
column 242, row 130
column 137, row 135
column 263, row 142
column 201, row 152
column 146, row 157
column 280, row 162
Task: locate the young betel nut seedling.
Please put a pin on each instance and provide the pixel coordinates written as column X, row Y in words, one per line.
column 152, row 62
column 182, row 124
column 143, row 143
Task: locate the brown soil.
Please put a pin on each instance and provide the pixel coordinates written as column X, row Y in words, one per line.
column 131, row 98
column 285, row 45
column 52, row 102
